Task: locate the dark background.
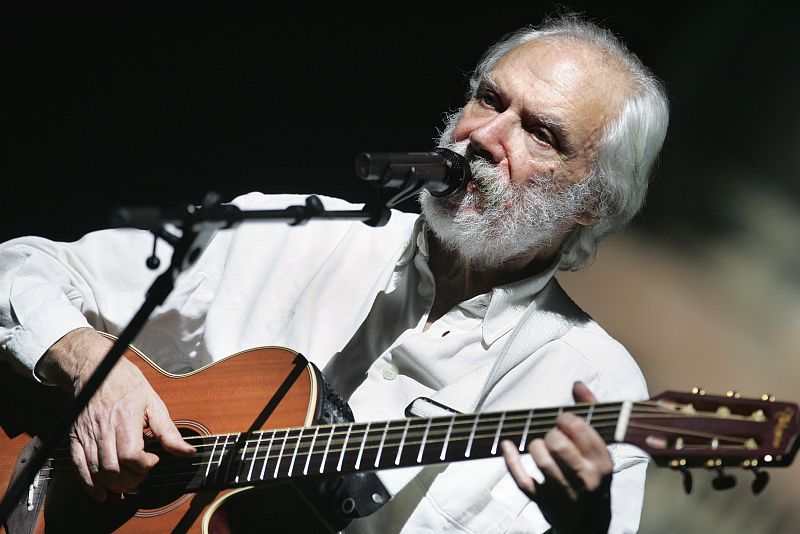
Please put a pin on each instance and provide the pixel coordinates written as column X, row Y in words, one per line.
column 146, row 104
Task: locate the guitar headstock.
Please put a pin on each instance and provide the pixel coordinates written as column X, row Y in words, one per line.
column 686, row 430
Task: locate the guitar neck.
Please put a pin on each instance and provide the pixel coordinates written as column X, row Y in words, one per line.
column 244, row 459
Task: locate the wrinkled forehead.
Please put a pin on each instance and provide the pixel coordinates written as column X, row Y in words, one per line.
column 570, row 73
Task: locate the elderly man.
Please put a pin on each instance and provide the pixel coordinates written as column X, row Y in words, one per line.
column 561, row 130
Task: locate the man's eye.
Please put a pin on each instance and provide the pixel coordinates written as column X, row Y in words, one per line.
column 488, row 99
column 544, row 135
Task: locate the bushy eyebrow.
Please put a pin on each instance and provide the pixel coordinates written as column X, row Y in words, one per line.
column 487, row 81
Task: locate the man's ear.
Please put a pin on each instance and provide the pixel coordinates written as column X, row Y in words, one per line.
column 587, row 217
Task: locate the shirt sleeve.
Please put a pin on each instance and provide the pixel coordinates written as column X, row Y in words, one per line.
column 48, row 288
column 627, row 488
column 612, row 374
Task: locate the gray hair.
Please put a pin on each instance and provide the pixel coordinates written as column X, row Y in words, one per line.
column 630, row 142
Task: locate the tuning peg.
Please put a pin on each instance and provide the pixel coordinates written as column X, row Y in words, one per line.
column 723, row 481
column 680, row 465
column 687, row 481
column 760, row 482
column 697, row 390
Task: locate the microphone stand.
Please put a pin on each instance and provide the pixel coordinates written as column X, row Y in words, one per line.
column 198, row 226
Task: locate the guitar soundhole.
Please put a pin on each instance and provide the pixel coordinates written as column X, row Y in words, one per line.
column 165, row 488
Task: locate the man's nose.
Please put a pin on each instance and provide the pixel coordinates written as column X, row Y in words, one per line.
column 490, row 139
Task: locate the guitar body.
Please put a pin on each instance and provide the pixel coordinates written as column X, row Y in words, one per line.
column 255, row 389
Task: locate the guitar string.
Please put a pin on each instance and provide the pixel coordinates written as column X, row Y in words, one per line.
column 204, row 458
column 409, row 443
column 695, row 434
column 544, row 413
column 504, row 435
column 461, row 423
column 462, row 420
column 486, row 431
column 207, row 440
column 457, row 429
column 155, row 483
column 513, row 431
column 468, row 422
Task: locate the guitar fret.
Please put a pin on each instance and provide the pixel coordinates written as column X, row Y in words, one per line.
column 311, row 450
column 280, row 453
column 447, row 438
column 327, row 448
column 255, row 455
column 237, row 462
column 497, row 434
column 266, row 456
column 424, row 439
column 218, row 463
column 222, row 452
column 294, row 454
column 361, row 449
column 211, row 458
column 241, row 460
column 402, row 442
column 524, row 437
column 589, row 414
column 472, row 436
column 380, row 447
column 344, row 447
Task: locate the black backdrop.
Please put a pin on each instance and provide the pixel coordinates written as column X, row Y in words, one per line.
column 146, row 104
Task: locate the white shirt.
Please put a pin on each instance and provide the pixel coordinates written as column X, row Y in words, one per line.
column 351, row 299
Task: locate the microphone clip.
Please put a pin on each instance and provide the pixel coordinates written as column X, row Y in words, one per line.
column 440, row 171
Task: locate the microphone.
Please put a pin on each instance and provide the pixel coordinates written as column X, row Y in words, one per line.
column 440, row 171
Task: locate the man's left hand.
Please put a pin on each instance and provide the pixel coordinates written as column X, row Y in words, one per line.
column 574, row 496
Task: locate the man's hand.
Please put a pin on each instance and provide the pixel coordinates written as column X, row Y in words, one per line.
column 574, row 496
column 106, row 441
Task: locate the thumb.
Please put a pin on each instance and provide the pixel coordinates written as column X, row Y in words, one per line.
column 165, row 430
column 581, row 393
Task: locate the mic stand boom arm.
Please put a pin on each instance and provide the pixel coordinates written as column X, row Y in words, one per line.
column 198, row 225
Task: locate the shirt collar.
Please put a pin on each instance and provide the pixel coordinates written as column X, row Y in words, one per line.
column 503, row 306
column 418, row 240
column 507, row 303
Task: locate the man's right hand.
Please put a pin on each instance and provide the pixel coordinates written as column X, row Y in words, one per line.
column 106, row 441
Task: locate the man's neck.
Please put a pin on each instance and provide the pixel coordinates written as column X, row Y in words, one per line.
column 457, row 280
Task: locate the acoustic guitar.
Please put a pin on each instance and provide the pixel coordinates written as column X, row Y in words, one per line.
column 254, row 418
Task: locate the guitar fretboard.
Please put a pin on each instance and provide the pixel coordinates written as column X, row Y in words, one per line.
column 230, row 460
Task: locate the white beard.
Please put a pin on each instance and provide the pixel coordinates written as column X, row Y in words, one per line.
column 499, row 220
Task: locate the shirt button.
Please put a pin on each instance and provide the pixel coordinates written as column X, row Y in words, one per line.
column 424, row 288
column 389, row 371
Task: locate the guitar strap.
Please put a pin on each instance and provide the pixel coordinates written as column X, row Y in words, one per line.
column 425, row 407
column 340, row 499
